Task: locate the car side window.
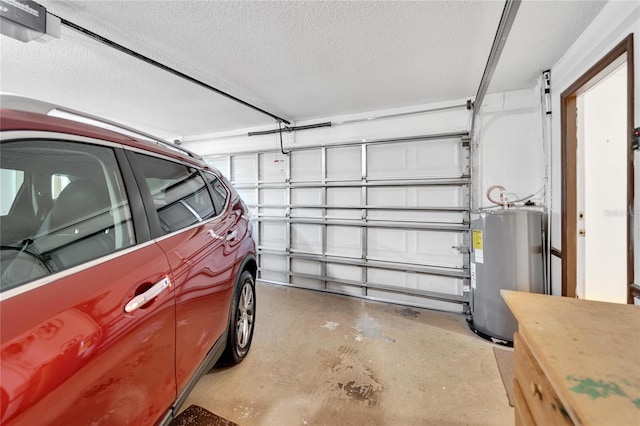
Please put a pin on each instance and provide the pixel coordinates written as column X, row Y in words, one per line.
column 179, row 193
column 219, row 192
column 88, row 218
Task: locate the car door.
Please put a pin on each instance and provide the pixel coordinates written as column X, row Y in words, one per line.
column 79, row 345
column 195, row 237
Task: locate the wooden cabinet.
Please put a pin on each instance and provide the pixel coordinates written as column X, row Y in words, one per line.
column 535, row 392
column 576, row 361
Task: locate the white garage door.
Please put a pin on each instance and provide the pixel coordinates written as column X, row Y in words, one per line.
column 382, row 219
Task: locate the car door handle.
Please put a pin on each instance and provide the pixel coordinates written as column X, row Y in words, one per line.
column 144, row 298
column 232, row 235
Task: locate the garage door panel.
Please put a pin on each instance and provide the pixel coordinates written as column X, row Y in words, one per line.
column 388, row 244
column 416, row 281
column 273, row 167
column 416, row 216
column 344, row 197
column 414, row 246
column 272, row 212
column 308, row 283
column 440, row 284
column 306, row 196
column 391, row 196
column 347, row 272
column 442, row 196
column 344, row 241
column 307, row 213
column 273, row 236
column 306, row 238
column 248, row 195
column 441, row 158
column 244, row 168
column 417, row 196
column 272, row 261
column 271, row 265
column 353, row 214
column 273, row 197
column 440, row 248
column 307, row 267
column 344, row 289
column 277, row 196
column 344, row 164
column 306, row 166
column 401, row 279
column 276, row 277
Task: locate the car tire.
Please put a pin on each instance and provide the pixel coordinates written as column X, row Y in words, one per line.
column 241, row 321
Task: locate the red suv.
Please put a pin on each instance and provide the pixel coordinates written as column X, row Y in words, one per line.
column 127, row 270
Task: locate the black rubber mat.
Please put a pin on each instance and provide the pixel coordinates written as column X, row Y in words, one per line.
column 198, row 416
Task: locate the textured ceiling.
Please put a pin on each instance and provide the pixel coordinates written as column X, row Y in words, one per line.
column 295, row 59
column 542, row 32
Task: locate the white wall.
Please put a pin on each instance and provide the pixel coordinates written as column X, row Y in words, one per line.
column 615, row 22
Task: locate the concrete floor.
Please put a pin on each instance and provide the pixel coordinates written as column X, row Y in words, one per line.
column 321, row 359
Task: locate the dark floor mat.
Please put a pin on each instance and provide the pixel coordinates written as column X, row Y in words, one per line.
column 504, row 358
column 198, row 416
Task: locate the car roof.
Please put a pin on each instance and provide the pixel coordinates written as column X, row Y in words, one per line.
column 36, row 119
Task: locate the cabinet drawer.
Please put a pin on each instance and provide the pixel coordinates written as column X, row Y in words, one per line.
column 541, row 400
column 522, row 414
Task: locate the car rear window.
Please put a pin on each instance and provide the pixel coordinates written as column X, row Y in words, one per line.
column 218, row 190
column 179, row 192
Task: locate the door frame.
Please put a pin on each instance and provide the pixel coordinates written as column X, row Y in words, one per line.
column 569, row 142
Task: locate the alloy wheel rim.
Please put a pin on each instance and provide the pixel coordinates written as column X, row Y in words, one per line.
column 245, row 316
